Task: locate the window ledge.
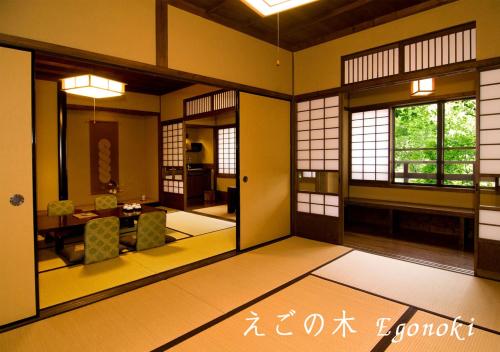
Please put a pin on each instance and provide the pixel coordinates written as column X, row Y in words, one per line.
column 412, row 187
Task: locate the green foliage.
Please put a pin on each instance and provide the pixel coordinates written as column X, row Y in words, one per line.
column 416, row 140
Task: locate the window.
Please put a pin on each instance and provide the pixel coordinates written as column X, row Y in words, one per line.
column 227, row 151
column 370, row 145
column 435, row 144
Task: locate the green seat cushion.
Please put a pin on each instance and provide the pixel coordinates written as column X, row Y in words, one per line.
column 151, row 230
column 101, row 239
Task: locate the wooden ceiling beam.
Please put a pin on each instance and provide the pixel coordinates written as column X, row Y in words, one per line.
column 430, row 4
column 216, row 6
column 330, row 15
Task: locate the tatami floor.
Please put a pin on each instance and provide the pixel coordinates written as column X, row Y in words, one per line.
column 197, row 237
column 207, row 309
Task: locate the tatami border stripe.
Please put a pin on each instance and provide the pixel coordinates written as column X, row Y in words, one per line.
column 242, row 307
column 417, row 261
column 387, row 340
column 406, row 304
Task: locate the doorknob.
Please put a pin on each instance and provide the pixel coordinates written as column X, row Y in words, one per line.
column 245, row 179
column 16, row 200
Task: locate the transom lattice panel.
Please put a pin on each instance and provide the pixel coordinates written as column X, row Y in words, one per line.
column 318, row 134
column 370, row 145
column 210, row 102
column 378, row 64
column 489, row 122
column 440, row 50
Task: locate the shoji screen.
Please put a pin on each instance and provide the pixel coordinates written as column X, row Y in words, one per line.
column 318, row 205
column 489, row 109
column 226, row 151
column 318, row 134
column 377, row 64
column 488, row 242
column 453, row 46
column 173, row 158
column 370, row 145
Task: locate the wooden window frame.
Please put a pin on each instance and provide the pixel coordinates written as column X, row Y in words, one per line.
column 440, row 149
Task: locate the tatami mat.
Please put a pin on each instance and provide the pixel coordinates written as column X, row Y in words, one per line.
column 218, row 210
column 184, row 252
column 167, row 209
column 194, row 224
column 138, row 320
column 448, row 293
column 175, row 234
column 48, row 260
column 61, row 285
column 240, row 279
column 308, row 296
column 480, row 341
column 148, row 317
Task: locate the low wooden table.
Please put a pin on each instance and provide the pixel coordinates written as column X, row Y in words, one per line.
column 66, row 225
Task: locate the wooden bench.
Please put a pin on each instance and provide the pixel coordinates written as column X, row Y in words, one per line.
column 394, row 209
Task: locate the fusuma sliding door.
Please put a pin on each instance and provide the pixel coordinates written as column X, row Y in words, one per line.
column 318, row 149
column 488, row 198
column 264, row 149
column 17, row 257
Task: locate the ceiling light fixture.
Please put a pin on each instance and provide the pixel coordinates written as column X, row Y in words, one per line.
column 271, row 7
column 93, row 86
column 422, row 87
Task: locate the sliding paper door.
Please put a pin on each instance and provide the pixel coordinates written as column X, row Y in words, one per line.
column 319, row 212
column 488, row 226
column 17, row 266
column 264, row 129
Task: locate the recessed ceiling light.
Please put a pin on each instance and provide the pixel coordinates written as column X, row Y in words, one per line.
column 271, row 7
column 93, row 86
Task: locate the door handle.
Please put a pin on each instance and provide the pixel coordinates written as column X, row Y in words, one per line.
column 245, row 179
column 17, row 200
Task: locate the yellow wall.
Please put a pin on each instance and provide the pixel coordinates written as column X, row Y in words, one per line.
column 446, row 85
column 205, row 136
column 121, row 28
column 138, row 155
column 418, row 196
column 224, row 183
column 47, row 182
column 130, row 101
column 490, row 198
column 318, row 67
column 172, row 103
column 200, row 46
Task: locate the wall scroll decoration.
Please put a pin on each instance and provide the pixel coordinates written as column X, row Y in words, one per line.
column 103, row 156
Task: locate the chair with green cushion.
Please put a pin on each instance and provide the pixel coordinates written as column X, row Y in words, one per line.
column 101, row 242
column 106, row 201
column 60, row 207
column 150, row 232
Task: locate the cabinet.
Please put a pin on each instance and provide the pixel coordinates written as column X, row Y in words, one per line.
column 198, row 181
